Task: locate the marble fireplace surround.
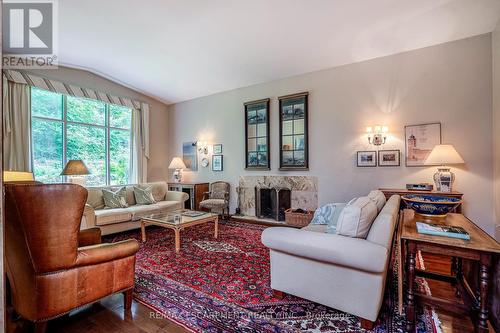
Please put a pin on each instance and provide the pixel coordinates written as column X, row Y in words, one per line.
column 304, row 191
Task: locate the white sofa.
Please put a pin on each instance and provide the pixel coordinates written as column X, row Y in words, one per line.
column 111, row 220
column 341, row 272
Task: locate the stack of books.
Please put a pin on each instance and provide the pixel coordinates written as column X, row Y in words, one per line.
column 442, row 230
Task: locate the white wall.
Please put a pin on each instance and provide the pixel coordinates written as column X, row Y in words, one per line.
column 157, row 167
column 450, row 83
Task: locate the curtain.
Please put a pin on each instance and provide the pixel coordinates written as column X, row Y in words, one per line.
column 140, row 145
column 16, row 126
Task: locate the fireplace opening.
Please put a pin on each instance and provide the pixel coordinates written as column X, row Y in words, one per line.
column 272, row 202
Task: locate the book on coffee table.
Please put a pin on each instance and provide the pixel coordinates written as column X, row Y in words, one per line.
column 442, row 230
column 192, row 213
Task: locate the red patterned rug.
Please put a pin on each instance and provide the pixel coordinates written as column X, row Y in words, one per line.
column 223, row 285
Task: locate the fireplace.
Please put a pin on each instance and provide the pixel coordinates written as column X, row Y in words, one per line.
column 271, row 202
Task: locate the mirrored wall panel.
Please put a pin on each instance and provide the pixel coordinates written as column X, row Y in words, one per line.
column 293, row 132
column 257, row 135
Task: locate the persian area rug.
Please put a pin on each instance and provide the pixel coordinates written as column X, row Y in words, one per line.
column 223, row 285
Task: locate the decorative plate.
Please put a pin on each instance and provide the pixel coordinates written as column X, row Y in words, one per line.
column 204, row 162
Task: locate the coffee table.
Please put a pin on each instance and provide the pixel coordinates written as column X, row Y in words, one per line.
column 168, row 220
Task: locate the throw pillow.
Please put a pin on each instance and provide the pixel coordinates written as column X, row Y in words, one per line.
column 115, row 199
column 332, row 225
column 144, row 196
column 379, row 198
column 323, row 214
column 356, row 218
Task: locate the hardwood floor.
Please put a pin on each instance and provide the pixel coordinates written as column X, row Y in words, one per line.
column 108, row 316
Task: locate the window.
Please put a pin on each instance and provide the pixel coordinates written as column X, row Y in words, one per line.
column 257, row 135
column 66, row 128
column 294, row 154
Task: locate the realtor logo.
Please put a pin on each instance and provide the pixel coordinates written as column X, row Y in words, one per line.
column 28, row 33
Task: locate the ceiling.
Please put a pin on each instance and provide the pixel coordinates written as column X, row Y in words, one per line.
column 176, row 50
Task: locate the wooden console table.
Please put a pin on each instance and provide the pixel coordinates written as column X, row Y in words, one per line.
column 480, row 248
column 195, row 191
column 388, row 192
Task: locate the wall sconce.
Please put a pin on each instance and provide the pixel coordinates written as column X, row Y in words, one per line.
column 377, row 134
column 202, row 147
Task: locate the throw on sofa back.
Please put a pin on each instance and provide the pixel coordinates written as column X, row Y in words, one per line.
column 382, row 229
column 95, row 199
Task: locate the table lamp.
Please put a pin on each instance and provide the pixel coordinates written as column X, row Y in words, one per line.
column 76, row 171
column 444, row 155
column 178, row 165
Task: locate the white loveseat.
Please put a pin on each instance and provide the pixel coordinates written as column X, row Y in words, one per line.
column 111, row 220
column 341, row 272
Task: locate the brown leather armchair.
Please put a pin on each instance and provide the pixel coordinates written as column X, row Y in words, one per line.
column 51, row 265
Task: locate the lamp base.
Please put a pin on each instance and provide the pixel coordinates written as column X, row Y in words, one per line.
column 178, row 175
column 77, row 180
column 444, row 179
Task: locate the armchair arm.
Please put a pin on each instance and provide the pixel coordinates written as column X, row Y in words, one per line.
column 88, row 237
column 355, row 253
column 206, row 195
column 88, row 218
column 176, row 196
column 96, row 254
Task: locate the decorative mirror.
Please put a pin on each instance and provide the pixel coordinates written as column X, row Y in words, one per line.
column 257, row 135
column 294, row 152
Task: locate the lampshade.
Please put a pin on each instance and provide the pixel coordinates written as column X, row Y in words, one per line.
column 444, row 154
column 74, row 168
column 17, row 176
column 177, row 163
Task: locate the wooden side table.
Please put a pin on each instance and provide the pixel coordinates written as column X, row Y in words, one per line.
column 481, row 247
column 388, row 192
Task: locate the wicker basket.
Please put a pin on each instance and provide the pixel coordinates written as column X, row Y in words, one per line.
column 296, row 219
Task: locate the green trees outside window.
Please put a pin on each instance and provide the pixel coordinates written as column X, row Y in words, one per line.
column 67, row 127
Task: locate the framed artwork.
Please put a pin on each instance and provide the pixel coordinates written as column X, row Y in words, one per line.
column 216, row 162
column 218, row 149
column 389, row 158
column 257, row 145
column 419, row 142
column 367, row 158
column 190, row 155
column 294, row 152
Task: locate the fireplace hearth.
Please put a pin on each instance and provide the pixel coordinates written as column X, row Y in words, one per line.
column 271, row 202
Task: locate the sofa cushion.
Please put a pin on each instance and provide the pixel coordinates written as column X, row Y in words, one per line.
column 112, row 215
column 356, row 218
column 315, row 227
column 158, row 189
column 144, row 196
column 323, row 214
column 95, row 198
column 116, row 198
column 332, row 224
column 379, row 198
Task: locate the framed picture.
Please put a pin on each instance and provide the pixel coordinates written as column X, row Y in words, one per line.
column 367, row 158
column 257, row 143
column 294, row 152
column 190, row 155
column 419, row 142
column 218, row 149
column 216, row 162
column 389, row 158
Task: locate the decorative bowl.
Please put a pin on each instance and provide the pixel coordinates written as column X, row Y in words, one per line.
column 431, row 205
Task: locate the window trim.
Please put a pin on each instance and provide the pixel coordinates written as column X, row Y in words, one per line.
column 107, row 130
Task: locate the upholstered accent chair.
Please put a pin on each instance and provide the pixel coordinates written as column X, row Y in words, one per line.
column 217, row 198
column 53, row 267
